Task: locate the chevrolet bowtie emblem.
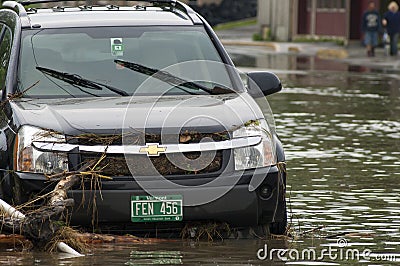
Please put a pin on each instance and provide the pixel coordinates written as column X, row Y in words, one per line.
column 153, row 149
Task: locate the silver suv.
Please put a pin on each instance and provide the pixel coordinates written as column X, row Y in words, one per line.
column 149, row 93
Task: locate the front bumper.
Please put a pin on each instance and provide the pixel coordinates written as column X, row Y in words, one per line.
column 239, row 207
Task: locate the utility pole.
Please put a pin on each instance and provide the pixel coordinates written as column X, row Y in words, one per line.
column 313, row 17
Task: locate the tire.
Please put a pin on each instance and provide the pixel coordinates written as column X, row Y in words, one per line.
column 279, row 228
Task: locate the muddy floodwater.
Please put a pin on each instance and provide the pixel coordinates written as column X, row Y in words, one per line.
column 340, row 126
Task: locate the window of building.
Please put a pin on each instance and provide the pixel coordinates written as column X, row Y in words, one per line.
column 331, row 4
column 328, row 4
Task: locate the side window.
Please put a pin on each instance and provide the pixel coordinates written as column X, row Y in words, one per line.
column 5, row 50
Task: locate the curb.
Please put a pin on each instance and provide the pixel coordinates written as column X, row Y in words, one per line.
column 323, row 53
column 269, row 45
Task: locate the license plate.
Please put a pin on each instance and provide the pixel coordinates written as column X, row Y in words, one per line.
column 156, row 208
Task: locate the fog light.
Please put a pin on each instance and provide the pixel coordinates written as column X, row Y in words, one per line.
column 265, row 192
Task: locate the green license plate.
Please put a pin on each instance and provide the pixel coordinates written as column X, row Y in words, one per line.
column 156, row 209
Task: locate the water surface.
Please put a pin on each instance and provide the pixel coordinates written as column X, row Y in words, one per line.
column 341, row 132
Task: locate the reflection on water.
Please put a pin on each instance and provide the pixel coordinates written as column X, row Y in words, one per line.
column 284, row 61
column 155, row 257
column 341, row 132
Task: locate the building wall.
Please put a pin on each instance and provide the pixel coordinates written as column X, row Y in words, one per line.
column 264, row 12
column 277, row 16
column 344, row 22
column 289, row 18
column 331, row 23
column 303, row 18
column 322, row 21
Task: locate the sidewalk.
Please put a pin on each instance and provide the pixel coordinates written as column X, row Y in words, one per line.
column 243, row 36
column 354, row 53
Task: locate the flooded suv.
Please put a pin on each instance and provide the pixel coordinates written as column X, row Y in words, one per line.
column 148, row 93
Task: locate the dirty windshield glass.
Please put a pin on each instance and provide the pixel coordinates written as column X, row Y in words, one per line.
column 83, row 62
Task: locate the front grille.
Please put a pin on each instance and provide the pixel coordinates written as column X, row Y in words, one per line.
column 190, row 163
column 185, row 136
column 141, row 165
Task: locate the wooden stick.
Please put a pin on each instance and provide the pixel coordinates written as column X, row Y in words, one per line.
column 59, row 193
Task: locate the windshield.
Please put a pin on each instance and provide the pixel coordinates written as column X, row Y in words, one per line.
column 83, row 62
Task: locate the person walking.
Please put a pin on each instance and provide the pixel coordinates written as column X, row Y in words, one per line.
column 391, row 20
column 371, row 25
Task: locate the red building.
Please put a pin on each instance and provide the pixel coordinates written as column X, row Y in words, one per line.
column 341, row 18
column 286, row 20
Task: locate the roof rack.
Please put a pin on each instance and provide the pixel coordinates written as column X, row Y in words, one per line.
column 30, row 2
column 19, row 6
column 16, row 7
column 179, row 5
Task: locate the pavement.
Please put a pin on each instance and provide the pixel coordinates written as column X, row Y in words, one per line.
column 354, row 53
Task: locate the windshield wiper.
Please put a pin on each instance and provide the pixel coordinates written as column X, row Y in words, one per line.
column 75, row 79
column 170, row 78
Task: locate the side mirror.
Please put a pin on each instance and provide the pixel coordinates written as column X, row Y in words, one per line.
column 260, row 84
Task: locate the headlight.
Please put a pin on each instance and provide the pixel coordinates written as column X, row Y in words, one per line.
column 262, row 155
column 29, row 159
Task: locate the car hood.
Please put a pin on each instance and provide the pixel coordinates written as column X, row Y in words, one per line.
column 113, row 114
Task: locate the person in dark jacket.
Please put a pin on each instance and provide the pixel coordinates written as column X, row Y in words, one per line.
column 391, row 19
column 371, row 25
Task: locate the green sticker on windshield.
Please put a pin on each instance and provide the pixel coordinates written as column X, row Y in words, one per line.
column 117, row 47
